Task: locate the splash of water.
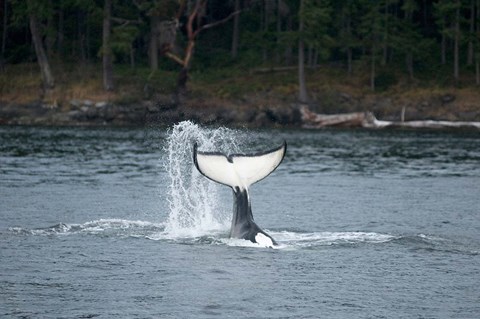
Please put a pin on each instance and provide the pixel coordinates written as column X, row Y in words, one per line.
column 194, row 202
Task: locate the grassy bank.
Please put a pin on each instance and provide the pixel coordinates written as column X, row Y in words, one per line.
column 330, row 88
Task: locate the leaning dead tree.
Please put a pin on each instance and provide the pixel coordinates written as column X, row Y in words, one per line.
column 47, row 77
column 193, row 28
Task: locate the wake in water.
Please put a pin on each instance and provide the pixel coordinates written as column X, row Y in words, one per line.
column 156, row 231
column 287, row 240
column 101, row 227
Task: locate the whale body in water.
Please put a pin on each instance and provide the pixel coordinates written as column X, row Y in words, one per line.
column 239, row 171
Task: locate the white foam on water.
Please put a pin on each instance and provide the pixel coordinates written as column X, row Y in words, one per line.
column 296, row 239
column 156, row 231
column 196, row 209
column 111, row 226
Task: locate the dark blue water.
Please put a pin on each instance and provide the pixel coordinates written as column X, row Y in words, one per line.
column 372, row 224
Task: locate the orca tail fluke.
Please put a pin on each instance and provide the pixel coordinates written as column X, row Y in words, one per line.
column 238, row 170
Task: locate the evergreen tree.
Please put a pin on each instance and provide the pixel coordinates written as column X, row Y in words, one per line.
column 302, row 86
column 408, row 40
column 370, row 30
column 449, row 21
column 107, row 55
column 347, row 39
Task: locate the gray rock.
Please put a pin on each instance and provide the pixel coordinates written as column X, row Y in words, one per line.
column 100, row 104
column 75, row 103
column 92, row 113
column 447, row 98
column 88, row 102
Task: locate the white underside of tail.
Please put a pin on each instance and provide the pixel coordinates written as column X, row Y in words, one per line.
column 238, row 170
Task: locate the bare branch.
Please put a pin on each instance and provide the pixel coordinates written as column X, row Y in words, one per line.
column 125, row 22
column 175, row 58
column 137, row 4
column 180, row 10
column 214, row 24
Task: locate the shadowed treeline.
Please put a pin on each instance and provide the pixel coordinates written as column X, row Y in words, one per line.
column 307, row 51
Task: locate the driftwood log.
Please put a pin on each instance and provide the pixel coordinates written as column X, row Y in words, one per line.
column 314, row 120
column 368, row 120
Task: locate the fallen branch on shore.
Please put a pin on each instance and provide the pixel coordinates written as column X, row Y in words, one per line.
column 368, row 120
column 314, row 120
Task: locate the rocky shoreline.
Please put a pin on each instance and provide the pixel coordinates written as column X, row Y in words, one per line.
column 252, row 111
column 102, row 113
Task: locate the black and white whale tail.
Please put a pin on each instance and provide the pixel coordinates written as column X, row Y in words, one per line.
column 239, row 171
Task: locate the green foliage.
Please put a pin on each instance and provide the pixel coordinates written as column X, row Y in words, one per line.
column 345, row 19
column 122, row 38
column 371, row 24
column 317, row 16
column 444, row 12
column 384, row 80
column 72, row 31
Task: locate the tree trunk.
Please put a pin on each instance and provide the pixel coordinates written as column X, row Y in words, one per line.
column 477, row 72
column 132, row 56
column 409, row 63
column 477, row 48
column 472, row 30
column 385, row 36
column 4, row 35
column 409, row 55
column 182, row 83
column 310, row 56
column 372, row 69
column 106, row 49
column 349, row 61
column 81, row 16
column 47, row 77
column 266, row 21
column 289, row 50
column 87, row 39
column 236, row 31
column 303, row 95
column 349, row 48
column 279, row 30
column 444, row 49
column 153, row 45
column 456, row 43
column 60, row 32
column 195, row 15
column 183, row 76
column 50, row 36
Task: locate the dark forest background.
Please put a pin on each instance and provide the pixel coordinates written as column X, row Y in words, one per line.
column 133, row 49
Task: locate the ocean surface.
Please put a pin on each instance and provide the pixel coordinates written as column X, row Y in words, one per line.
column 117, row 223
